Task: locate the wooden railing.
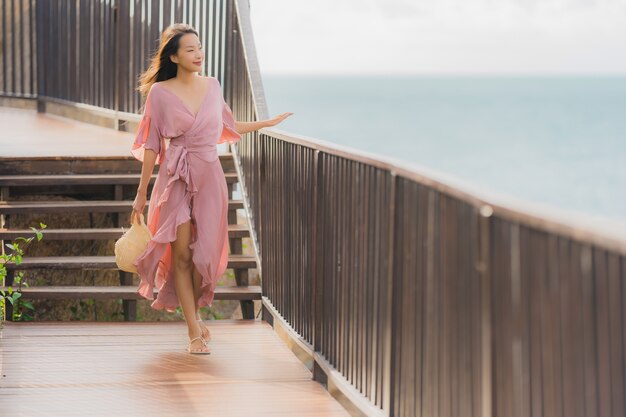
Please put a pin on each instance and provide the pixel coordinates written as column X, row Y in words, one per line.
column 425, row 295
column 18, row 61
column 88, row 54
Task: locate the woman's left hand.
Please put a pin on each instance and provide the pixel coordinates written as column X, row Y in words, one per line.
column 276, row 120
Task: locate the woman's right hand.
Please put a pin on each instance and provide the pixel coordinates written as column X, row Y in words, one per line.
column 138, row 206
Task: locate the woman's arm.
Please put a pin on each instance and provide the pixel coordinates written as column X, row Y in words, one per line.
column 147, row 168
column 149, row 160
column 245, row 127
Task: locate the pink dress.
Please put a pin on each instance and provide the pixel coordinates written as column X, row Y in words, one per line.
column 190, row 185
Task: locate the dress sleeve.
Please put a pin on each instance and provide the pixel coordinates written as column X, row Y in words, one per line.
column 148, row 134
column 229, row 133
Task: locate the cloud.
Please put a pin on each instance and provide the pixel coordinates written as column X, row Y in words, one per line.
column 399, row 9
column 442, row 36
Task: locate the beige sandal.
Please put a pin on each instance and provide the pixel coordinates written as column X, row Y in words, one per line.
column 202, row 350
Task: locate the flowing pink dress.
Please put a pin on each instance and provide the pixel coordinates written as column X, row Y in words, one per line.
column 190, row 185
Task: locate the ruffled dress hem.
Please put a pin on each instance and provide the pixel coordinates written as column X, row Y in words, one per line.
column 159, row 244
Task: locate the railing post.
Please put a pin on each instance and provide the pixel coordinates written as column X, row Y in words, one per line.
column 117, row 68
column 318, row 281
column 229, row 40
column 41, row 51
column 10, row 274
column 390, row 325
column 262, row 152
column 486, row 316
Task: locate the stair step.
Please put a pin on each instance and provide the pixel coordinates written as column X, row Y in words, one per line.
column 83, row 179
column 104, row 262
column 127, row 292
column 234, row 230
column 73, row 206
column 29, row 165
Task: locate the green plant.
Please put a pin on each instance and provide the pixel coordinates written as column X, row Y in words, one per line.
column 13, row 294
column 119, row 313
column 79, row 312
column 215, row 315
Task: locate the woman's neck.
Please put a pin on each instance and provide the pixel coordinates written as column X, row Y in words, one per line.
column 186, row 78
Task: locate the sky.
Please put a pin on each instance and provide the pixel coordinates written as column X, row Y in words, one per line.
column 440, row 37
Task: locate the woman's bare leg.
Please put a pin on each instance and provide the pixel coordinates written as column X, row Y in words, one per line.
column 183, row 268
column 197, row 282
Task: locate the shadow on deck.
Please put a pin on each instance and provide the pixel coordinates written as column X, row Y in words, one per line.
column 137, row 369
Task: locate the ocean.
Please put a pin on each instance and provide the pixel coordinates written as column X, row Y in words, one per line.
column 559, row 141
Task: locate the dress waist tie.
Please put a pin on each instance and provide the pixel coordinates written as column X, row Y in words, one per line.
column 178, row 167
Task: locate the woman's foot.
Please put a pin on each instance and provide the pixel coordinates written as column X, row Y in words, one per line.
column 206, row 334
column 197, row 344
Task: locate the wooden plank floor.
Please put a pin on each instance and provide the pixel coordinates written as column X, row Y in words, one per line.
column 26, row 133
column 31, row 134
column 142, row 369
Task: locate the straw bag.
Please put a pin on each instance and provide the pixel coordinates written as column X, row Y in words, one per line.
column 132, row 244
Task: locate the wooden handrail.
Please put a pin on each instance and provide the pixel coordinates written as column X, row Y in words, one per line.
column 606, row 233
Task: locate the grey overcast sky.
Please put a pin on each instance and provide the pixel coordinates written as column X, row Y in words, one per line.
column 440, row 36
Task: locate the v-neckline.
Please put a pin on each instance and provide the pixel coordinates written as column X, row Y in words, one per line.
column 195, row 116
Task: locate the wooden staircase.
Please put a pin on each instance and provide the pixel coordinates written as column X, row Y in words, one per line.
column 100, row 185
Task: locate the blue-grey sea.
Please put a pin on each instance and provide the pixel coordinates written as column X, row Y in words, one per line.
column 555, row 140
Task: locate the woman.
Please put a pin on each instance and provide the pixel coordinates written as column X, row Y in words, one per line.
column 187, row 212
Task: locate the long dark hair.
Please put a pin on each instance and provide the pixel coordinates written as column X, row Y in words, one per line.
column 161, row 67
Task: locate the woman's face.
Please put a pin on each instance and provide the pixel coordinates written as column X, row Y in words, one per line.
column 190, row 54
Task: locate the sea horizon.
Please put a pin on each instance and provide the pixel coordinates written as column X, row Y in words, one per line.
column 551, row 140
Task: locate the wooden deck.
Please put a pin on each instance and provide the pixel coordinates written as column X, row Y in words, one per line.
column 27, row 133
column 142, row 369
